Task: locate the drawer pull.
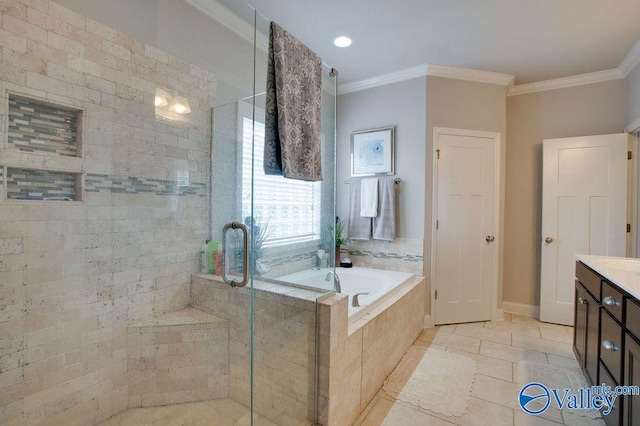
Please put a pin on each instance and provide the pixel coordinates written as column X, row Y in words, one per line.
column 582, row 301
column 610, row 301
column 610, row 346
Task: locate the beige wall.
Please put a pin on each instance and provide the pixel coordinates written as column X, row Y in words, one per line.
column 584, row 110
column 462, row 105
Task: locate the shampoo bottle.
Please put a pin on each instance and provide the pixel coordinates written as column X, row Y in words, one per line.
column 204, row 265
column 218, row 260
column 212, row 248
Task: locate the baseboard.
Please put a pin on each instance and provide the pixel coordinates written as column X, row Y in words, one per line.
column 521, row 309
column 498, row 315
column 428, row 322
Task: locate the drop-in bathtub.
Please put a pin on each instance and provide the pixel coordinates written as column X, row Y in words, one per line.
column 377, row 282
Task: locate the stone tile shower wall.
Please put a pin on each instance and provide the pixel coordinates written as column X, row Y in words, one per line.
column 75, row 274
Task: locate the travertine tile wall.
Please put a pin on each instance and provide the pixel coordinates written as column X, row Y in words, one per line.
column 355, row 359
column 284, row 345
column 74, row 275
column 402, row 254
column 180, row 357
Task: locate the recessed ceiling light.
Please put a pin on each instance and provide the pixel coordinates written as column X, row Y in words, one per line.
column 342, row 41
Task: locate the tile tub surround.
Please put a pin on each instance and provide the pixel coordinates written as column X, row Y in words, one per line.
column 75, row 275
column 356, row 358
column 285, row 339
column 179, row 357
column 402, row 254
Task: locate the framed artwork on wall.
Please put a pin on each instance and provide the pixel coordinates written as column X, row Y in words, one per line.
column 372, row 152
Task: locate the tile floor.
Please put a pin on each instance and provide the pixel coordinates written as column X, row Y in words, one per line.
column 496, row 346
column 218, row 412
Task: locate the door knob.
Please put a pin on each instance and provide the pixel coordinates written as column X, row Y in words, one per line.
column 548, row 240
column 489, row 238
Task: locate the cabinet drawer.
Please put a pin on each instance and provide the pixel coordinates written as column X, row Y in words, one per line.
column 589, row 279
column 614, row 417
column 611, row 345
column 633, row 317
column 612, row 300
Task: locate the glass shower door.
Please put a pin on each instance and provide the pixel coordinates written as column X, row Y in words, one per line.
column 278, row 237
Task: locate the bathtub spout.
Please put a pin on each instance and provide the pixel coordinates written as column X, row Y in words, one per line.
column 336, row 281
column 355, row 302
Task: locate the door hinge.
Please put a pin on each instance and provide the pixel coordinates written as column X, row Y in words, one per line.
column 629, row 155
column 628, row 227
column 437, row 224
column 436, row 294
column 438, row 153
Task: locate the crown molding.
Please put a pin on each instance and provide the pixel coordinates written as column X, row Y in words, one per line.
column 562, row 83
column 469, row 74
column 633, row 127
column 231, row 21
column 631, row 60
column 430, row 70
column 383, row 80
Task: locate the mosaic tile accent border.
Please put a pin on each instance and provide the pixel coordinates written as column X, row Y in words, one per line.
column 386, row 255
column 25, row 184
column 133, row 185
column 38, row 127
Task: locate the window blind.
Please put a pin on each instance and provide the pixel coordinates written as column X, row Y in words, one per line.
column 290, row 209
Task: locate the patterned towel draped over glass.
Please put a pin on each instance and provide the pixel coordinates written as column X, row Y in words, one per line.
column 293, row 147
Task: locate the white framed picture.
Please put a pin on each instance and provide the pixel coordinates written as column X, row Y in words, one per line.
column 372, row 152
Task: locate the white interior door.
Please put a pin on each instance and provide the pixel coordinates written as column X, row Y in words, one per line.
column 584, row 211
column 465, row 244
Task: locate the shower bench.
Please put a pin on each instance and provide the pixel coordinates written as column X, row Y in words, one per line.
column 178, row 357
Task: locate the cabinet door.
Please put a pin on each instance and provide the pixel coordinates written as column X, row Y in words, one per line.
column 613, row 418
column 580, row 321
column 631, row 404
column 592, row 352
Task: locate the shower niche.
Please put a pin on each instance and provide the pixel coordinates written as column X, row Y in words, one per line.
column 42, row 159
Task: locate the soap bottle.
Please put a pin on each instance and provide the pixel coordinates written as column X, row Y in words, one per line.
column 204, row 265
column 212, row 248
column 217, row 257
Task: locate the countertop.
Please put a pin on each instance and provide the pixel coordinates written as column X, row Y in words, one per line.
column 622, row 271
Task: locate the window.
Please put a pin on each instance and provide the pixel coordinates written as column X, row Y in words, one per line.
column 288, row 208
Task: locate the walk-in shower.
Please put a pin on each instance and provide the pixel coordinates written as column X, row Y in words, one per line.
column 132, row 132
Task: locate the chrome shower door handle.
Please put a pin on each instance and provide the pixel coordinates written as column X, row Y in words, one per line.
column 245, row 259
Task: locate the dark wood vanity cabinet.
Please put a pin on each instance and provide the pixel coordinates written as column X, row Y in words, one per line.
column 601, row 338
column 585, row 332
column 631, row 404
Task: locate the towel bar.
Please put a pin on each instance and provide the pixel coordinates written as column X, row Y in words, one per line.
column 397, row 180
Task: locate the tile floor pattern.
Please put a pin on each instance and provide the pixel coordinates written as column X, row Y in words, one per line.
column 496, row 346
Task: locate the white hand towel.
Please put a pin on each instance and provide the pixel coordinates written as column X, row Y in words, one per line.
column 369, row 197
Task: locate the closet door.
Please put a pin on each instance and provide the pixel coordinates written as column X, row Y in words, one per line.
column 584, row 211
